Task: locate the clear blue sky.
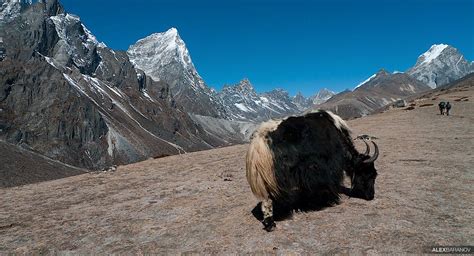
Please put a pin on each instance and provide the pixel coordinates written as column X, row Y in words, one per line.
column 295, row 45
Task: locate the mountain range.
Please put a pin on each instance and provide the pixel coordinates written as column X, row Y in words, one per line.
column 69, row 97
column 380, row 89
column 440, row 65
column 242, row 102
column 164, row 57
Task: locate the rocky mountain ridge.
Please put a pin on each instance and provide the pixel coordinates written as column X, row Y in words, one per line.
column 378, row 90
column 242, row 102
column 322, row 96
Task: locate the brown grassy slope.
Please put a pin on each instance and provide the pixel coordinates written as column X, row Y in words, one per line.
column 19, row 167
column 441, row 93
column 424, row 196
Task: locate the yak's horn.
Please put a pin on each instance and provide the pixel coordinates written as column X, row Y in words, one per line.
column 375, row 156
column 367, row 148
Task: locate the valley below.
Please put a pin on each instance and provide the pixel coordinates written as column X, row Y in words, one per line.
column 201, row 203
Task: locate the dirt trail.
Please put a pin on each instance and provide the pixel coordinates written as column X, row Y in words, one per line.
column 200, row 202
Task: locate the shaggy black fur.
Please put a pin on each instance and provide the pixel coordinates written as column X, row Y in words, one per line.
column 310, row 157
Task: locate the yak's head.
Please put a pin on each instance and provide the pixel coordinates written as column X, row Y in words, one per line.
column 364, row 174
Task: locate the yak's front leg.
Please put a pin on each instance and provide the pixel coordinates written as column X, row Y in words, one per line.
column 267, row 209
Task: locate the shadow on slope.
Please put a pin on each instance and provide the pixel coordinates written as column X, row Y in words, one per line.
column 20, row 167
column 305, row 204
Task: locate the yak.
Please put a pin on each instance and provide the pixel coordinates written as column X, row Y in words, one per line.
column 300, row 162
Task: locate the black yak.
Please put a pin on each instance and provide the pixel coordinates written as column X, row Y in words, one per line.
column 301, row 160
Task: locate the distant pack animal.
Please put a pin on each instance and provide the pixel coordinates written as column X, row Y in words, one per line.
column 301, row 160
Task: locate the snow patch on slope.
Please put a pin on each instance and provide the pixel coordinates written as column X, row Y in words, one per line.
column 242, row 107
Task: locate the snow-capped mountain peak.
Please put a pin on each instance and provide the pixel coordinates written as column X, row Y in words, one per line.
column 440, row 65
column 164, row 57
column 160, row 49
column 433, row 53
column 174, row 43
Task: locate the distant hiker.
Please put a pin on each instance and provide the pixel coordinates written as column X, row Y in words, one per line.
column 448, row 108
column 442, row 106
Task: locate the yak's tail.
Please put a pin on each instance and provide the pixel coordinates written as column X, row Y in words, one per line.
column 259, row 163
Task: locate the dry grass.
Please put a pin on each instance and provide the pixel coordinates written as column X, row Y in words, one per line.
column 201, row 203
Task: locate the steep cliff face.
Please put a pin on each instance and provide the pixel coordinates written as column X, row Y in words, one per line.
column 39, row 110
column 71, row 98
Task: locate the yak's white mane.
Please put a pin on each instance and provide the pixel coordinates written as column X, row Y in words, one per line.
column 266, row 127
column 259, row 162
